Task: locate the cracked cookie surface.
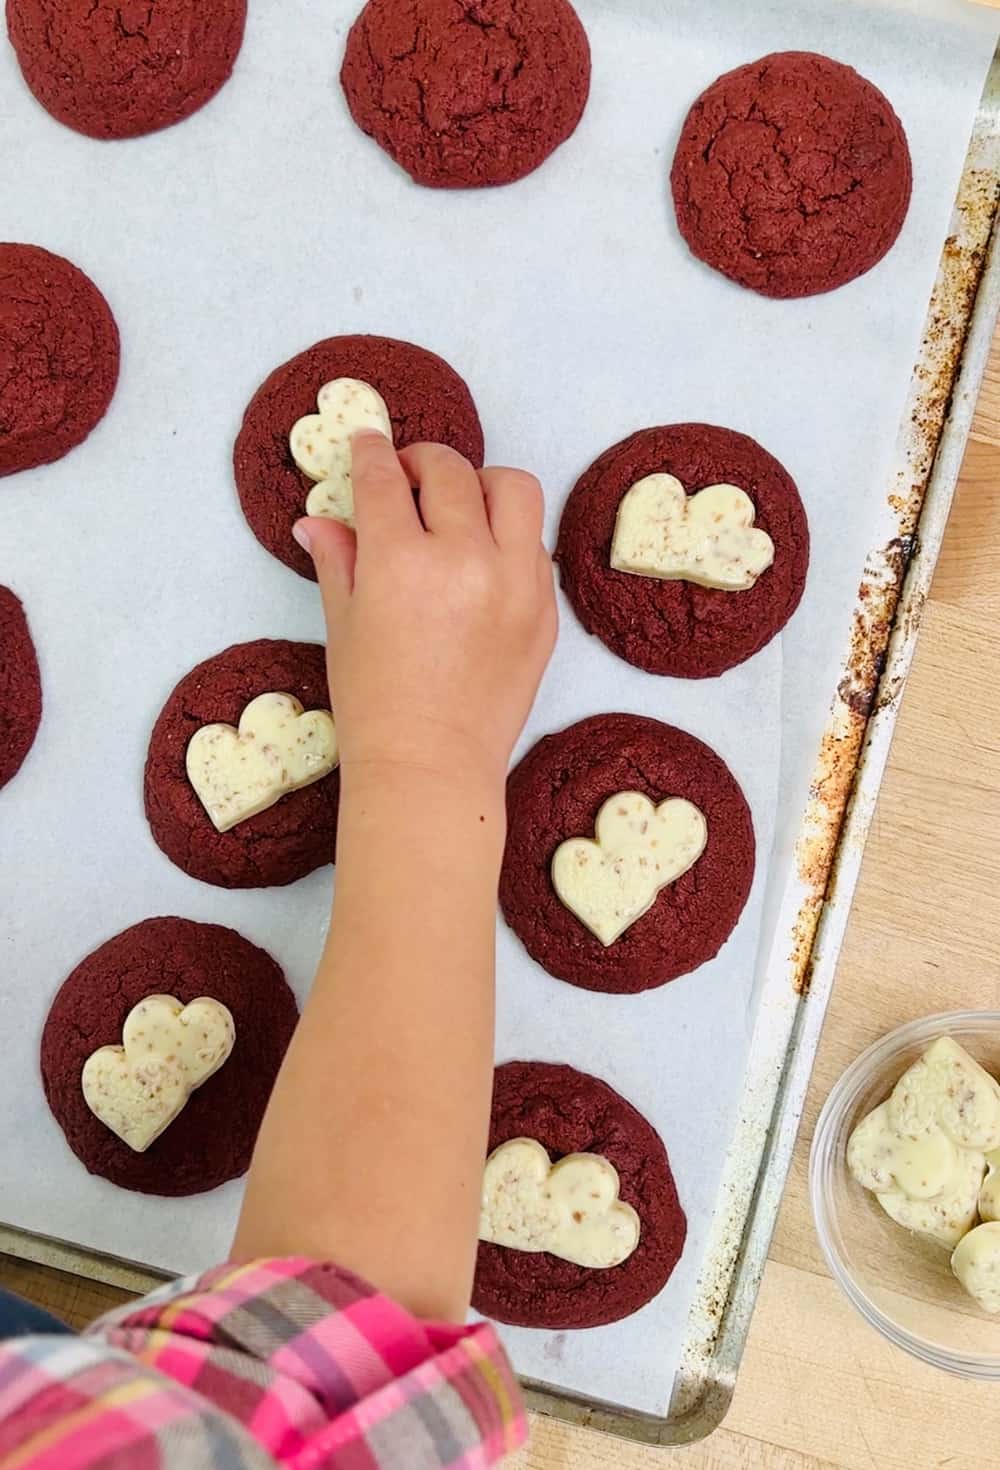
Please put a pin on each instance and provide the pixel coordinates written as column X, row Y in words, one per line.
column 679, row 628
column 467, row 93
column 426, row 399
column 277, row 846
column 212, row 1139
column 59, row 354
column 120, row 68
column 571, row 1112
column 556, row 792
column 20, row 687
column 792, row 175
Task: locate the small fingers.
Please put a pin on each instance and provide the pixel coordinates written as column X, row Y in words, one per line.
column 451, row 497
column 383, row 500
column 515, row 505
column 333, row 548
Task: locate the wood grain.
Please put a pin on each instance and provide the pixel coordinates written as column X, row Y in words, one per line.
column 819, row 1390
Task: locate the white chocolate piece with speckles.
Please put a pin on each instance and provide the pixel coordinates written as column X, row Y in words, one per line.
column 946, row 1216
column 168, row 1050
column 923, row 1149
column 708, row 538
column 948, row 1088
column 321, row 443
column 611, row 880
column 976, row 1264
column 278, row 748
column 570, row 1209
column 882, row 1158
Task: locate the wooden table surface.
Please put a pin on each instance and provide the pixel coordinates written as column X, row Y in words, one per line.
column 818, row 1388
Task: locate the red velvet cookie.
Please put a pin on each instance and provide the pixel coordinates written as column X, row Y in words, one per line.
column 556, row 792
column 20, row 687
column 570, row 1112
column 212, row 1139
column 680, row 628
column 792, row 175
column 426, row 399
column 58, row 357
column 276, row 846
column 115, row 70
column 462, row 94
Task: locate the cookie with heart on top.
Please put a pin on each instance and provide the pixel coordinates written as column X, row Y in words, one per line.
column 630, row 853
column 292, row 454
column 158, row 1092
column 549, row 1119
column 242, row 784
column 685, row 549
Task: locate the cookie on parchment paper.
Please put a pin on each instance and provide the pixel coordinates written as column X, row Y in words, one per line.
column 464, row 95
column 567, row 1112
column 792, row 175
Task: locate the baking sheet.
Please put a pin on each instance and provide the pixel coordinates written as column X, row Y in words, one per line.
column 149, row 552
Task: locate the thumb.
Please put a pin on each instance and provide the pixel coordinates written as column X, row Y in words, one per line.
column 333, row 548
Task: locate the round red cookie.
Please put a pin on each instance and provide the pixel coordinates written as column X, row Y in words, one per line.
column 679, row 628
column 556, row 792
column 212, row 1139
column 792, row 175
column 276, row 846
column 116, row 70
column 59, row 355
column 464, row 95
column 426, row 399
column 20, row 687
column 570, row 1112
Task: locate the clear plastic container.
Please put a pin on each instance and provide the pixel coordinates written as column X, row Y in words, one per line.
column 899, row 1282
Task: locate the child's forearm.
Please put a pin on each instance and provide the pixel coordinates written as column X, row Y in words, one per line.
column 395, row 1044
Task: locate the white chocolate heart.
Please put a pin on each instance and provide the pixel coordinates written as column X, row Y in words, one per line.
column 278, row 748
column 321, row 443
column 882, row 1158
column 610, row 882
column 946, row 1216
column 137, row 1089
column 570, row 1209
column 976, row 1264
column 948, row 1088
column 708, row 538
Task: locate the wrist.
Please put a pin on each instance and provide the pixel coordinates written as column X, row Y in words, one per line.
column 413, row 789
column 431, row 755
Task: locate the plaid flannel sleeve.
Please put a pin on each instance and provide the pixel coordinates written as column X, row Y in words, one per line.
column 280, row 1362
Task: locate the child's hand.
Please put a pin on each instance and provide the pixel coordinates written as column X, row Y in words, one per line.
column 437, row 633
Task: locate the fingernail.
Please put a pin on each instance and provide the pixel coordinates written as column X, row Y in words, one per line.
column 367, row 434
column 301, row 535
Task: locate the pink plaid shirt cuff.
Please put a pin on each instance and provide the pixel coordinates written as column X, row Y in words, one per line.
column 280, row 1362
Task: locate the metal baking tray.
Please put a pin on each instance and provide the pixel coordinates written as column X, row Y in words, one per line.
column 947, row 376
column 816, row 901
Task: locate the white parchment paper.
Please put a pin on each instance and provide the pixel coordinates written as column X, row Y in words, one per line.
column 576, row 315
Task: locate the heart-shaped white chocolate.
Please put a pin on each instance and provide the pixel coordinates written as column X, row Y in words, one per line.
column 570, row 1209
column 948, row 1088
column 708, row 538
column 882, row 1158
column 946, row 1216
column 321, row 443
column 278, row 748
column 137, row 1089
column 639, row 849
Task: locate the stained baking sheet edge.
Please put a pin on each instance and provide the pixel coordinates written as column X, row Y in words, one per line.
column 814, row 910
